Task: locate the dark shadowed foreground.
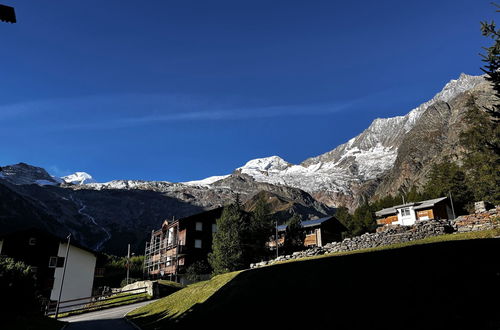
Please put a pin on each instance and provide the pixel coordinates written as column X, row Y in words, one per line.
column 451, row 285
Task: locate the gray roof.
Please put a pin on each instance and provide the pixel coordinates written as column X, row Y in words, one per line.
column 417, row 206
column 307, row 223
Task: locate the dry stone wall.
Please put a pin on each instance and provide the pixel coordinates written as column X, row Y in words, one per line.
column 393, row 234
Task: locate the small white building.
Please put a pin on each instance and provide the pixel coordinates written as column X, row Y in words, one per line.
column 46, row 253
column 409, row 213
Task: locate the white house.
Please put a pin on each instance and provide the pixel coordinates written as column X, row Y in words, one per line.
column 79, row 276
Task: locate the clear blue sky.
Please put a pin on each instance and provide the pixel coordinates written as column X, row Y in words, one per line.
column 182, row 90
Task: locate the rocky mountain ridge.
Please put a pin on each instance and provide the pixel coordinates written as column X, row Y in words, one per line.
column 391, row 154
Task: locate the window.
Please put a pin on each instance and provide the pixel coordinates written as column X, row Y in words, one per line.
column 53, row 262
column 32, row 241
column 214, row 228
column 405, row 212
column 199, row 226
column 197, row 243
column 99, row 272
column 60, row 262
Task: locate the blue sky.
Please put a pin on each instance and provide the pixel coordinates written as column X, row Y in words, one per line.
column 182, row 90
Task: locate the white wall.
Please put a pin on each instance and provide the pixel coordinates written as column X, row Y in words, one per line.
column 407, row 220
column 79, row 276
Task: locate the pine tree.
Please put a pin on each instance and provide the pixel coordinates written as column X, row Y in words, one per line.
column 261, row 228
column 445, row 178
column 482, row 160
column 492, row 63
column 227, row 251
column 294, row 235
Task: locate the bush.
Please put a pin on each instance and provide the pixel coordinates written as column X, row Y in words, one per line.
column 18, row 288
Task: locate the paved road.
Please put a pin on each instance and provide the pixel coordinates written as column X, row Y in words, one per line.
column 103, row 320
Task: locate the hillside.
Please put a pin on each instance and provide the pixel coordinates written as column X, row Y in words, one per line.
column 443, row 285
column 109, row 216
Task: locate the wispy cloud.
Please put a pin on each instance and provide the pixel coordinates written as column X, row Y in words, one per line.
column 130, row 110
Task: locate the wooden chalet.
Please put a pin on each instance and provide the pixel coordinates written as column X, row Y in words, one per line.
column 318, row 232
column 409, row 213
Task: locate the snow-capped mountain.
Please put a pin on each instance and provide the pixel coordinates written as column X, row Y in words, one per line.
column 365, row 157
column 207, row 181
column 78, row 178
column 391, row 154
column 21, row 174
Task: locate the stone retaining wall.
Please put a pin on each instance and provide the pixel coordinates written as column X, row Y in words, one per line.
column 399, row 234
column 479, row 221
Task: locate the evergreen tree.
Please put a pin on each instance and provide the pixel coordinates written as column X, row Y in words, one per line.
column 294, row 235
column 445, row 178
column 227, row 250
column 343, row 215
column 482, row 161
column 261, row 228
column 492, row 64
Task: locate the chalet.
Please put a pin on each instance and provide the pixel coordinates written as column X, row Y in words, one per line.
column 45, row 254
column 409, row 213
column 318, row 232
column 179, row 243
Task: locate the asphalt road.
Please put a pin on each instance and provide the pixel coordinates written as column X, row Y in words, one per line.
column 112, row 318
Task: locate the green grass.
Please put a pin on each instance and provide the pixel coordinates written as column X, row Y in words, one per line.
column 492, row 233
column 180, row 302
column 421, row 284
column 121, row 299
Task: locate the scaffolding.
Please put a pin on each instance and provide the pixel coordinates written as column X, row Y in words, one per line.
column 163, row 251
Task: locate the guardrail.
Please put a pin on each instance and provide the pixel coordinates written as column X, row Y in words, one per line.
column 93, row 302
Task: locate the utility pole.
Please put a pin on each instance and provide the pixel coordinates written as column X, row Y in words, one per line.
column 128, row 262
column 452, row 207
column 62, row 279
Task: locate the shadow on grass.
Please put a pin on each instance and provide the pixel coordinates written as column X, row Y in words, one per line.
column 449, row 285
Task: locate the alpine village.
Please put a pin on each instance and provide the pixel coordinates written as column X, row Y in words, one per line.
column 396, row 228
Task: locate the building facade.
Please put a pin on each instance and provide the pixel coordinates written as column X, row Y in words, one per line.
column 178, row 244
column 318, row 232
column 409, row 213
column 46, row 253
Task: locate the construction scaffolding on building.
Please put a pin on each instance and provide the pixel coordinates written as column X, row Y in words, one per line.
column 163, row 251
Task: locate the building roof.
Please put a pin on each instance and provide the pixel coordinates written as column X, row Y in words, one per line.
column 309, row 223
column 416, row 206
column 39, row 231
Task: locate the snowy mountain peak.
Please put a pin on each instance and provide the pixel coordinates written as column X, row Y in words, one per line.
column 22, row 173
column 78, row 178
column 267, row 164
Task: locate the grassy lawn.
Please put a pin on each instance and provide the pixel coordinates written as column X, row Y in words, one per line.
column 121, row 299
column 179, row 303
column 437, row 283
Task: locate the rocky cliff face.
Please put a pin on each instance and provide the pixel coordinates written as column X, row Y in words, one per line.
column 435, row 136
column 352, row 172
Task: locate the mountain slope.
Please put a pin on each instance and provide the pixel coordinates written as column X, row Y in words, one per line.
column 352, row 171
